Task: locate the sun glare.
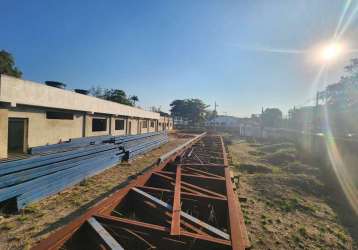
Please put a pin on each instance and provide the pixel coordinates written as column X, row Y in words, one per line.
column 331, row 52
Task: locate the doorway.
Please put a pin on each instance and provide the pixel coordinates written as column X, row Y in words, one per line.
column 17, row 135
column 129, row 127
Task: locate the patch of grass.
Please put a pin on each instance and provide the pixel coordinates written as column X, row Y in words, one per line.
column 281, row 157
column 9, row 225
column 276, row 147
column 251, row 169
column 32, row 208
column 84, row 183
column 269, row 204
column 257, row 153
column 302, row 231
column 288, row 205
column 22, row 218
column 108, row 186
column 341, row 235
column 296, row 238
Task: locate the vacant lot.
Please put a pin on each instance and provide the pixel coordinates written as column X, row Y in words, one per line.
column 286, row 205
column 21, row 231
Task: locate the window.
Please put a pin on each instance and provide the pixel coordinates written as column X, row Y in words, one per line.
column 119, row 125
column 152, row 124
column 145, row 125
column 59, row 115
column 160, row 124
column 99, row 124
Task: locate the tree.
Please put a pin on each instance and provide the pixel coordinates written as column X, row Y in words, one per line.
column 97, row 91
column 344, row 94
column 7, row 65
column 113, row 95
column 211, row 114
column 192, row 110
column 271, row 117
column 117, row 95
column 134, row 99
column 178, row 108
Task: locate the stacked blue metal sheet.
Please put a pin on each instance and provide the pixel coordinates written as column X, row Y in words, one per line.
column 139, row 144
column 56, row 167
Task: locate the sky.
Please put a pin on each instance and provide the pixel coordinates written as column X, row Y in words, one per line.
column 244, row 55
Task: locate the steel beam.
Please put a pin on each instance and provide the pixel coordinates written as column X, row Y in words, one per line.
column 110, row 242
column 184, row 215
column 175, row 228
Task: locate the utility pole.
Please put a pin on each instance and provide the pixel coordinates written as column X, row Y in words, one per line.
column 319, row 95
column 215, row 106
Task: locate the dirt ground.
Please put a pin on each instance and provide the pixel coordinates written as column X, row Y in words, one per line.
column 286, row 204
column 21, row 231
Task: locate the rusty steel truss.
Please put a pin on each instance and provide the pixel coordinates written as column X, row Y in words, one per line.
column 185, row 202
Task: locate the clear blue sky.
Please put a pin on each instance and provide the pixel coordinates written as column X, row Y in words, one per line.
column 172, row 49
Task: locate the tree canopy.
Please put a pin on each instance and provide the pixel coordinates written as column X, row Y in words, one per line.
column 114, row 95
column 7, row 65
column 192, row 110
column 134, row 99
column 271, row 117
column 343, row 94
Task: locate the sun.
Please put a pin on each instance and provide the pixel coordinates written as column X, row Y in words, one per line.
column 332, row 51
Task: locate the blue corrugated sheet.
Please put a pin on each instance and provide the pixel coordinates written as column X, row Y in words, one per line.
column 53, row 168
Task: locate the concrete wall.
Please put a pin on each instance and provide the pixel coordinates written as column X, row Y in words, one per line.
column 166, row 123
column 18, row 91
column 150, row 128
column 3, row 132
column 42, row 131
column 134, row 126
column 118, row 132
column 143, row 129
column 162, row 123
column 88, row 125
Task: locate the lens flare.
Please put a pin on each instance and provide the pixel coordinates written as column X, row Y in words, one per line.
column 339, row 165
column 331, row 51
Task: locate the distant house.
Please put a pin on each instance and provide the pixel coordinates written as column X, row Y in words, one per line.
column 250, row 130
column 179, row 121
column 224, row 121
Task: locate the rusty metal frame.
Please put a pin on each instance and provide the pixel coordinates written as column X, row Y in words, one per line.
column 186, row 201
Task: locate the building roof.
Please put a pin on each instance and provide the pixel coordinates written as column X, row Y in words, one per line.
column 17, row 91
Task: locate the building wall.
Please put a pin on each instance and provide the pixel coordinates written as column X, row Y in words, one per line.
column 171, row 123
column 134, row 126
column 3, row 132
column 166, row 123
column 25, row 99
column 142, row 128
column 42, row 131
column 162, row 122
column 113, row 126
column 19, row 91
column 150, row 128
column 88, row 125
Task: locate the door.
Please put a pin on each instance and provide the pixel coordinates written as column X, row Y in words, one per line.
column 129, row 127
column 17, row 135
